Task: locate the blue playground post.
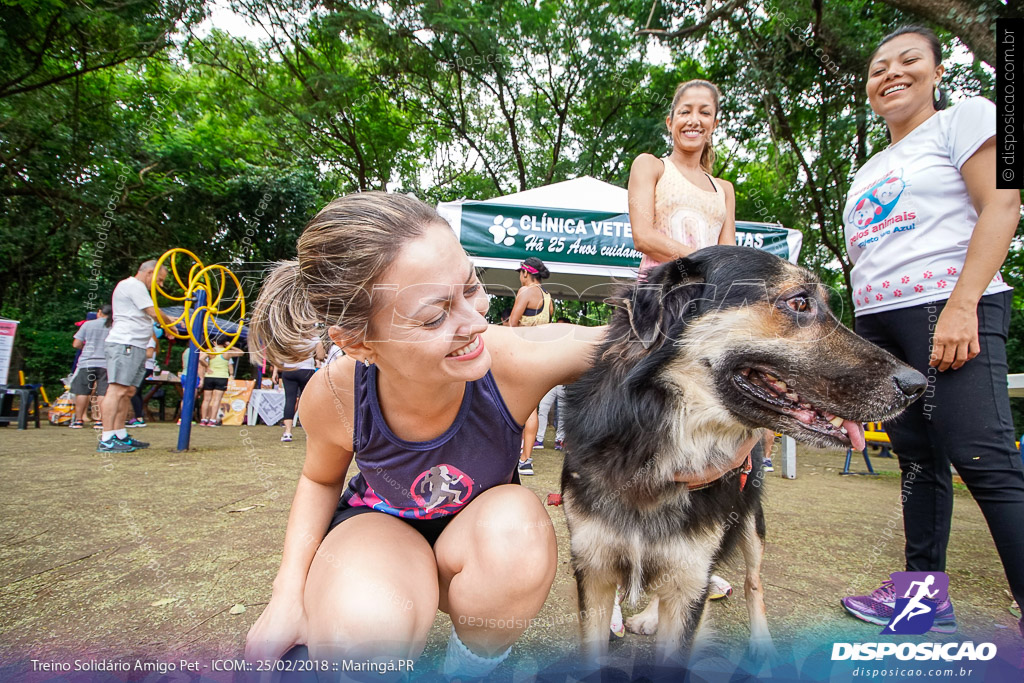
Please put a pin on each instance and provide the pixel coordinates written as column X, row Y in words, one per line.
column 188, row 399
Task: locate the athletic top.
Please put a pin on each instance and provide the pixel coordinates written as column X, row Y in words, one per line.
column 436, row 478
column 132, row 327
column 908, row 216
column 537, row 316
column 219, row 366
column 93, row 333
column 686, row 213
column 309, row 363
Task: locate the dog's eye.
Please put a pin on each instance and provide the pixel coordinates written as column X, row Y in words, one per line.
column 800, row 304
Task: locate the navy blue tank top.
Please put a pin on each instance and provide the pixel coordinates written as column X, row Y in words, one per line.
column 436, row 478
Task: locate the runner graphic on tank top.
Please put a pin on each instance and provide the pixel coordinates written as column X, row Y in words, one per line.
column 438, row 482
column 440, row 476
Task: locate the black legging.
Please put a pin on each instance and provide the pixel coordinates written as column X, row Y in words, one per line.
column 294, row 382
column 137, row 397
column 964, row 419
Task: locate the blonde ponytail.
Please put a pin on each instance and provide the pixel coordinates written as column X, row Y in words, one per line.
column 283, row 320
column 341, row 254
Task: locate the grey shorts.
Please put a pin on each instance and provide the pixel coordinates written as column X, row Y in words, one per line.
column 86, row 379
column 126, row 365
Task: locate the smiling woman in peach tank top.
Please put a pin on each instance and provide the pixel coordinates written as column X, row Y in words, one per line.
column 675, row 206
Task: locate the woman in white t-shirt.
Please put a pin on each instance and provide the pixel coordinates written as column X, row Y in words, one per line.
column 927, row 231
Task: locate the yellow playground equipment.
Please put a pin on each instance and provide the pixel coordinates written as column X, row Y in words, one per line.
column 207, row 292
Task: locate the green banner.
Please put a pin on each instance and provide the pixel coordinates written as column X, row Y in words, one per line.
column 570, row 236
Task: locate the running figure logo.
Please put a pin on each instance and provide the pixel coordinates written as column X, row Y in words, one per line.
column 918, row 595
column 441, row 490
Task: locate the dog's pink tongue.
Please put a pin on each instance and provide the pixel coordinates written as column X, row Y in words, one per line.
column 855, row 430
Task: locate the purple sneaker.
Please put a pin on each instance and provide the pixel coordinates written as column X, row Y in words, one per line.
column 945, row 620
column 1020, row 626
column 877, row 608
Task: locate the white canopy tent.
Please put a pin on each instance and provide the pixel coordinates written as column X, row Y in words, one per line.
column 580, row 229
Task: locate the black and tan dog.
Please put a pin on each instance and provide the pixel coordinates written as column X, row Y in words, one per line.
column 710, row 349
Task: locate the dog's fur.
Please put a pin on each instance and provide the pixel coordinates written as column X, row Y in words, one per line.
column 676, row 388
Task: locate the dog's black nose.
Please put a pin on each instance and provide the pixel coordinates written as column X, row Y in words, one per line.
column 911, row 382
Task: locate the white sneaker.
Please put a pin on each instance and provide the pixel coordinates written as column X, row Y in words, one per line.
column 618, row 626
column 718, row 588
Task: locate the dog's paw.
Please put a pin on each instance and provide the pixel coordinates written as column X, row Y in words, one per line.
column 762, row 648
column 644, row 624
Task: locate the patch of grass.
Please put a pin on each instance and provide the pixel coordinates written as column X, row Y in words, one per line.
column 90, row 542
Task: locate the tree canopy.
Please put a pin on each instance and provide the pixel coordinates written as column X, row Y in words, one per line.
column 131, row 128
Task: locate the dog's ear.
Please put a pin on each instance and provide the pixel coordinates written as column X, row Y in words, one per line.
column 663, row 298
column 644, row 309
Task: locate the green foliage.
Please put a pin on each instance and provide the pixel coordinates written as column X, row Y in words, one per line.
column 45, row 44
column 118, row 142
column 588, row 313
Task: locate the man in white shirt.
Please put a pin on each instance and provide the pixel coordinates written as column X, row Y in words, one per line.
column 125, row 351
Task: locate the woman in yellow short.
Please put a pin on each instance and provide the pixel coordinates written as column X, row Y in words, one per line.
column 216, row 381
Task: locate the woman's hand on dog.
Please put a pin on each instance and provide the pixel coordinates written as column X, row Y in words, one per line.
column 714, row 474
column 955, row 340
column 281, row 626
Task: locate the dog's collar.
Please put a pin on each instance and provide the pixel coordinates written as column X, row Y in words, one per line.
column 744, row 470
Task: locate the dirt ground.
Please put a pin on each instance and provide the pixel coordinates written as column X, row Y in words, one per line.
column 147, row 554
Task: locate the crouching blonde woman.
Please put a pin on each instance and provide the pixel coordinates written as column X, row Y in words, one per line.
column 431, row 402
